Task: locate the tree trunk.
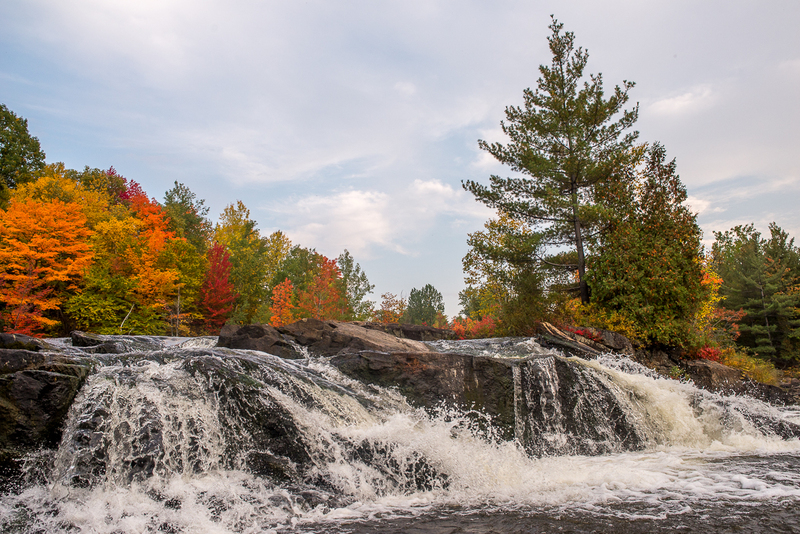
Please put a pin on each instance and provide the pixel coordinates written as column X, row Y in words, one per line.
column 584, row 288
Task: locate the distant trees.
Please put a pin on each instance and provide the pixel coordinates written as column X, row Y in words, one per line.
column 91, row 250
column 425, row 306
column 21, row 157
column 761, row 277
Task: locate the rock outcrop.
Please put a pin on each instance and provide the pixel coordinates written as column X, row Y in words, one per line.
column 36, row 391
column 322, row 338
column 416, row 332
column 428, row 379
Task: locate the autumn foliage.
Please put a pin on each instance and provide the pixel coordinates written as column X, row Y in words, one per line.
column 217, row 293
column 282, row 307
column 43, row 254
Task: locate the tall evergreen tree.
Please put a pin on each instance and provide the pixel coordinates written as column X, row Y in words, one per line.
column 564, row 141
column 647, row 265
column 761, row 277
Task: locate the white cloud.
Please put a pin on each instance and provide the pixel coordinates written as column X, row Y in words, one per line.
column 689, row 102
column 405, row 88
column 364, row 221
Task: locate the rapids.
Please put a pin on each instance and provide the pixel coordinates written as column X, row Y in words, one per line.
column 181, row 436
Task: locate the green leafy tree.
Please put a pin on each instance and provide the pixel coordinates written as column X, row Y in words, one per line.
column 424, row 305
column 237, row 232
column 761, row 277
column 565, row 141
column 648, row 266
column 300, row 266
column 21, row 157
column 188, row 216
column 357, row 287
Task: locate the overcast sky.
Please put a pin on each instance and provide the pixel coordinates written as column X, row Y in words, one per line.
column 351, row 124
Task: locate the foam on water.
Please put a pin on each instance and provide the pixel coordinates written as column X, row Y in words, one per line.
column 380, row 458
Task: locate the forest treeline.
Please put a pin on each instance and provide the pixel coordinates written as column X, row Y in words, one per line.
column 91, row 250
column 593, row 231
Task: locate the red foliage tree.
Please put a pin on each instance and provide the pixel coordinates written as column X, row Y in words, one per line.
column 324, row 298
column 217, row 293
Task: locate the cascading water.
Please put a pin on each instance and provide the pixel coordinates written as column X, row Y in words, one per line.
column 191, row 438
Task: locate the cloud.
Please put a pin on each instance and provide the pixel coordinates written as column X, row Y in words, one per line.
column 700, row 97
column 365, row 221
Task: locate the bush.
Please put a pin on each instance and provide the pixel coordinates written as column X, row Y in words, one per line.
column 753, row 368
column 595, row 316
column 466, row 328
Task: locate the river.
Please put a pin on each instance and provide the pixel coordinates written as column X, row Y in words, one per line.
column 156, row 444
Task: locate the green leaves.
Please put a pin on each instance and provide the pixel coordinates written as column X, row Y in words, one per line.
column 762, row 277
column 20, row 154
column 648, row 264
column 567, row 139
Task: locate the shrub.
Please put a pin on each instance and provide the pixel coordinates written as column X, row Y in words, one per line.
column 467, row 328
column 753, row 368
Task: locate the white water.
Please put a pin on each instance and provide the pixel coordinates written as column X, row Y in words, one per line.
column 703, row 449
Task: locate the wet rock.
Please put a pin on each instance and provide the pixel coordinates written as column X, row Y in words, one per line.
column 19, row 341
column 560, row 406
column 429, row 379
column 662, row 360
column 261, row 337
column 714, row 376
column 85, row 339
column 36, row 391
column 565, row 407
column 101, row 344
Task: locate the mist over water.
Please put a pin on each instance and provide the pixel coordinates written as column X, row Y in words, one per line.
column 165, row 442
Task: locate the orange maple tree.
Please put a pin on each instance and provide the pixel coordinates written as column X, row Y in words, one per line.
column 392, row 309
column 282, row 307
column 324, row 296
column 44, row 252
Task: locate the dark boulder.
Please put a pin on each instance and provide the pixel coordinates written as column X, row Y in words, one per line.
column 713, row 376
column 19, row 341
column 261, row 337
column 428, row 379
column 36, row 391
column 101, row 344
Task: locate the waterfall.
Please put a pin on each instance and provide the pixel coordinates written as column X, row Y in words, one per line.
column 190, row 438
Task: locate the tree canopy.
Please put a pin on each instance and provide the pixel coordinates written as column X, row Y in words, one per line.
column 565, row 140
column 21, row 157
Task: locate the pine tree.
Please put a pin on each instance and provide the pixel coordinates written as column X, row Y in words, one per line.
column 565, row 142
column 761, row 276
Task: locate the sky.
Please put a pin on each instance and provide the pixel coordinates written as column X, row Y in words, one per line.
column 352, row 124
